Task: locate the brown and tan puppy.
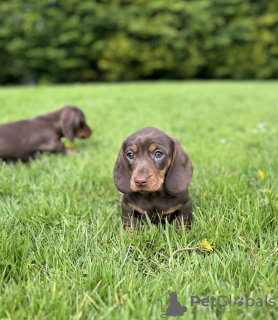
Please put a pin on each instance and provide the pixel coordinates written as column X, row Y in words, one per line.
column 154, row 172
column 22, row 139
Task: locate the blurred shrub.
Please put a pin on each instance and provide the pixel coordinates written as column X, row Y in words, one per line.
column 110, row 40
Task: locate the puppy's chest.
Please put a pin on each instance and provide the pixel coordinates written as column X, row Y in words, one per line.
column 155, row 207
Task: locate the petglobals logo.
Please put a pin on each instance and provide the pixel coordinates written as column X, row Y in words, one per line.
column 224, row 301
column 170, row 305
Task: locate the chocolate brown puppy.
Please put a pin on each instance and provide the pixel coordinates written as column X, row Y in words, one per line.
column 153, row 172
column 22, row 139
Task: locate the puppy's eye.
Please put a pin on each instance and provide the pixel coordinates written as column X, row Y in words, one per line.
column 130, row 155
column 158, row 154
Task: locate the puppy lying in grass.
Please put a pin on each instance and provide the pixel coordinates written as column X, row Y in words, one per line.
column 21, row 140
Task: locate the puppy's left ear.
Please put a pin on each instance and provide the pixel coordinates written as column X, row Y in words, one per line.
column 180, row 172
column 68, row 123
column 121, row 172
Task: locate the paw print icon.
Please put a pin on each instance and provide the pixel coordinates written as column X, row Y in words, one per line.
column 239, row 301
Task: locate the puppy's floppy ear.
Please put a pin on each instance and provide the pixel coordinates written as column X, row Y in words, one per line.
column 180, row 172
column 67, row 123
column 121, row 172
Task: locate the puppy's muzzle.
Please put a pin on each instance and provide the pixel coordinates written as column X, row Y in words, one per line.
column 83, row 133
column 141, row 180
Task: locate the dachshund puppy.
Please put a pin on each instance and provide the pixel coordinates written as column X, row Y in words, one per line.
column 154, row 172
column 22, row 139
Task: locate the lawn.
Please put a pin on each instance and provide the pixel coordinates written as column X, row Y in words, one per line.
column 63, row 251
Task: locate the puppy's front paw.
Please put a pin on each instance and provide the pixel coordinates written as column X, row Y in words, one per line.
column 70, row 151
column 186, row 225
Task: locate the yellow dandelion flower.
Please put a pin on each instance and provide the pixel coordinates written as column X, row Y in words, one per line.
column 68, row 144
column 205, row 244
column 202, row 245
column 261, row 174
column 266, row 191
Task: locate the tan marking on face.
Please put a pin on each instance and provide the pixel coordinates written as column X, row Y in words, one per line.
column 152, row 147
column 172, row 209
column 136, row 208
column 134, row 149
column 155, row 182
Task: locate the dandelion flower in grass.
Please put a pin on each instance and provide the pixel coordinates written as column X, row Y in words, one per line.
column 266, row 191
column 205, row 244
column 261, row 174
column 68, row 144
column 202, row 245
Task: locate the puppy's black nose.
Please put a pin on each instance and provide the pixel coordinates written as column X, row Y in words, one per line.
column 141, row 181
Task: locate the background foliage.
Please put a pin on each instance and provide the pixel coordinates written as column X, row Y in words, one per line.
column 100, row 40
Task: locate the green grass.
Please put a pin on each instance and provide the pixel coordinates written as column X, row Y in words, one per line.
column 63, row 251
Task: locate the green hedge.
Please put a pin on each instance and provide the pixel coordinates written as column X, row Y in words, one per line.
column 102, row 40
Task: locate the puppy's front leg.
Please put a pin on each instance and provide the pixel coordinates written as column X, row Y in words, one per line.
column 59, row 147
column 130, row 221
column 183, row 217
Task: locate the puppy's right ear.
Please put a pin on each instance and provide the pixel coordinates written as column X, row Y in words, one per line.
column 121, row 172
